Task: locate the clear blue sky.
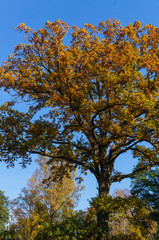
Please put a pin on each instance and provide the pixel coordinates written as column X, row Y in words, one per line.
column 35, row 13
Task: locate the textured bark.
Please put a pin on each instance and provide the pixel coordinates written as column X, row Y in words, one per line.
column 104, row 187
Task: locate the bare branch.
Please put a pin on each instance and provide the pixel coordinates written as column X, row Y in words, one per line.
column 118, row 178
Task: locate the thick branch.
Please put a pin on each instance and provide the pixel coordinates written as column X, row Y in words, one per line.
column 118, row 178
column 127, row 148
column 139, row 169
column 79, row 122
column 69, row 159
column 104, row 109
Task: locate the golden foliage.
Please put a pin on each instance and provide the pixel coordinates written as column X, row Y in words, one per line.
column 43, row 203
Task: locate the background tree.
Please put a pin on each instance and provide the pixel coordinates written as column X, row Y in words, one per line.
column 102, row 92
column 43, row 203
column 4, row 211
column 120, row 223
column 146, row 187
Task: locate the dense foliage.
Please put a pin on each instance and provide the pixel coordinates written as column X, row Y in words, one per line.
column 129, row 217
column 146, row 187
column 130, row 221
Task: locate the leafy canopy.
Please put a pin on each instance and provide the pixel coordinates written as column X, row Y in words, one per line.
column 101, row 89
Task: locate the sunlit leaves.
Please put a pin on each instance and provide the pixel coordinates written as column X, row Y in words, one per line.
column 129, row 217
column 43, row 203
column 101, row 85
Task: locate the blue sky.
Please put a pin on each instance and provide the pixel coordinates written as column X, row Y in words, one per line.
column 35, row 13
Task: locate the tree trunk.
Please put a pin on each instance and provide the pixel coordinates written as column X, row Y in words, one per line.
column 104, row 187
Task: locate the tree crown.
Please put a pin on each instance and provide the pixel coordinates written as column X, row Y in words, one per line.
column 101, row 88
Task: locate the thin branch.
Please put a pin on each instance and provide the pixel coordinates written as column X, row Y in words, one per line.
column 140, row 151
column 103, row 109
column 154, row 178
column 128, row 148
column 80, row 122
column 139, row 169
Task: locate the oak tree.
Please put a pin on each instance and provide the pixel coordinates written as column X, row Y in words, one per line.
column 101, row 88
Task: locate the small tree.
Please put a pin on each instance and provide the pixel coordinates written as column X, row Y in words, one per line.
column 4, row 211
column 146, row 187
column 102, row 92
column 43, row 203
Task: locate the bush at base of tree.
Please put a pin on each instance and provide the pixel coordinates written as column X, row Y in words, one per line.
column 78, row 226
column 83, row 225
column 9, row 234
column 132, row 211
